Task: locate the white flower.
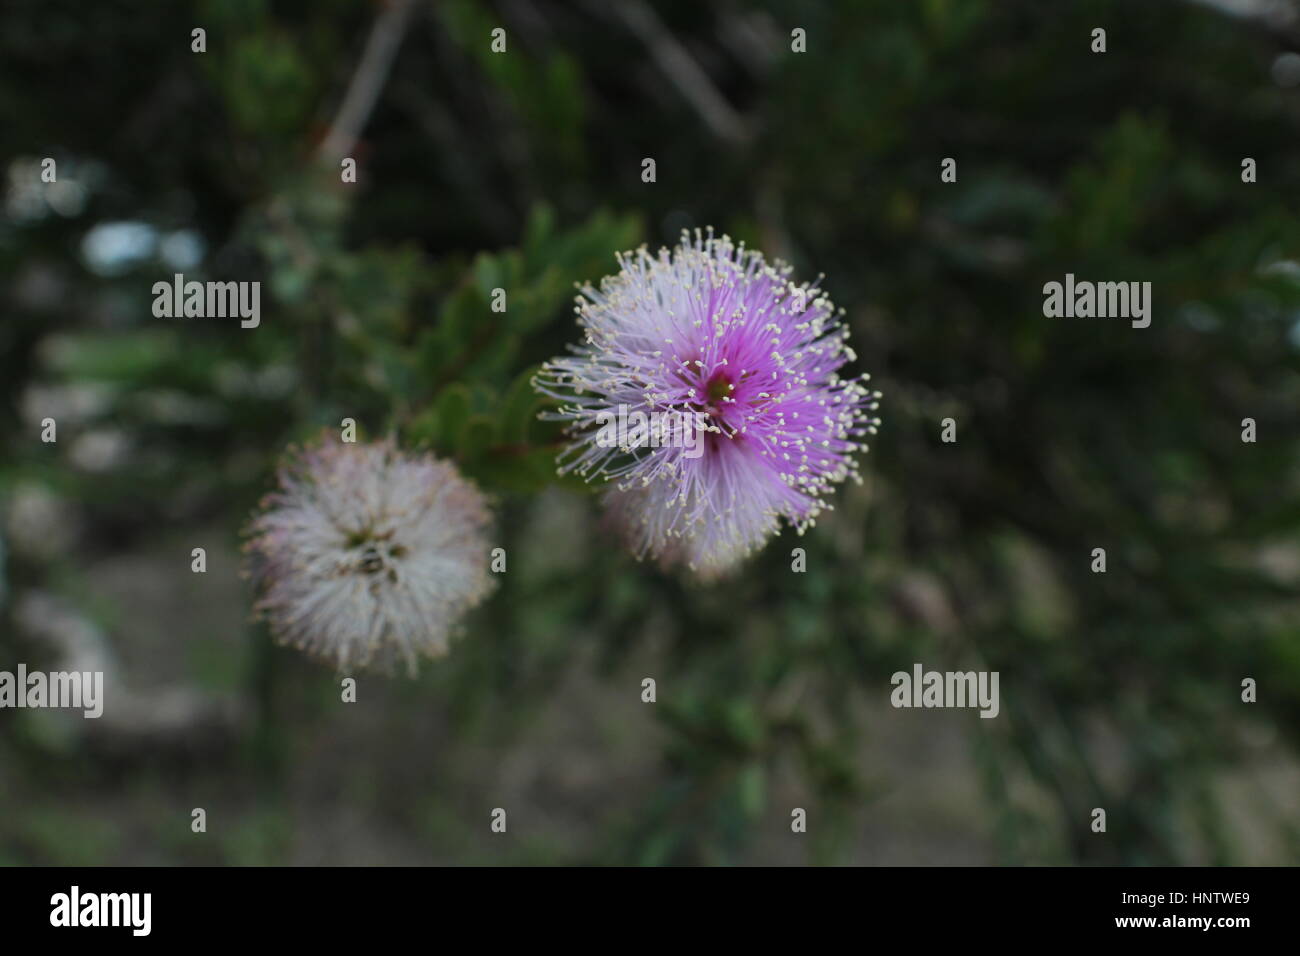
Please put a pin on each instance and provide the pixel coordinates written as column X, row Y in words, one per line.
column 367, row 556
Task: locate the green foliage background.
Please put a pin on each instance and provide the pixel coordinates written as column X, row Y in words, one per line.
column 522, row 171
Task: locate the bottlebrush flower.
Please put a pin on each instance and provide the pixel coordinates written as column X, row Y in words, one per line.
column 367, row 555
column 712, row 330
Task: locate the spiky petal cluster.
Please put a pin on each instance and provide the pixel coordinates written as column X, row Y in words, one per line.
column 711, row 329
column 368, row 556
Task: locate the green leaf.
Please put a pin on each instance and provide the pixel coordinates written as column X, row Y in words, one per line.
column 440, row 425
column 518, row 410
column 476, row 436
column 750, row 790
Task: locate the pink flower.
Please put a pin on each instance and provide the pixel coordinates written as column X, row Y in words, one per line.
column 711, row 331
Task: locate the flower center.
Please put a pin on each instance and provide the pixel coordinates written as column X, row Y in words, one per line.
column 372, row 562
column 377, row 552
column 718, row 387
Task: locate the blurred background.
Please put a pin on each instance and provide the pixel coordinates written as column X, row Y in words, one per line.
column 522, row 170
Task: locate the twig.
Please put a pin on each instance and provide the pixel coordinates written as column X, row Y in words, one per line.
column 368, row 79
column 682, row 71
